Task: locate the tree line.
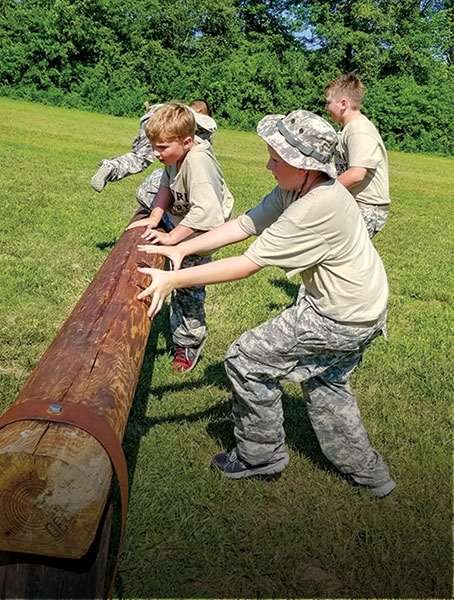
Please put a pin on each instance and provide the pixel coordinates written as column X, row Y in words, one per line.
column 247, row 58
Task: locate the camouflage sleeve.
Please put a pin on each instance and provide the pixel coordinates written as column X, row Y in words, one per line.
column 205, row 127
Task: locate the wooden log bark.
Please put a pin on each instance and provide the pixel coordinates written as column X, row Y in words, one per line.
column 55, row 478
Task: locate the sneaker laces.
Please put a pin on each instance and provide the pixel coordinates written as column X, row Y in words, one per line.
column 233, row 456
column 180, row 352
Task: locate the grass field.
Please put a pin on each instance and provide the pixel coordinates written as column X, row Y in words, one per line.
column 190, row 533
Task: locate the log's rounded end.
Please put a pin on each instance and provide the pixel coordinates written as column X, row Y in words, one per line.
column 54, row 483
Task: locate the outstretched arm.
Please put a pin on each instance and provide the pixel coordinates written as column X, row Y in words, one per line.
column 161, row 203
column 219, row 271
column 224, row 235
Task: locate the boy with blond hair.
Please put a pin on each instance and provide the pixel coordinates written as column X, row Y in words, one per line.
column 192, row 198
column 360, row 156
column 141, row 155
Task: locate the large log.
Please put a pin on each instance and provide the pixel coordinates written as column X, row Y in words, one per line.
column 55, row 478
column 31, row 577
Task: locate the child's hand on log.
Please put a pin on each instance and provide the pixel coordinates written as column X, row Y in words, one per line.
column 157, row 237
column 160, row 287
column 148, row 222
column 172, row 252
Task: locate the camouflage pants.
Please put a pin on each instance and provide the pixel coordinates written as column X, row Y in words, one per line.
column 301, row 345
column 137, row 160
column 374, row 217
column 187, row 309
column 187, row 305
column 147, row 190
column 126, row 164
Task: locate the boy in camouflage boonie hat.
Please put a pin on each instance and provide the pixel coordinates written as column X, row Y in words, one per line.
column 302, row 139
column 308, row 225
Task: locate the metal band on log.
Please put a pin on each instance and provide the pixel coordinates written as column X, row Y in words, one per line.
column 55, row 478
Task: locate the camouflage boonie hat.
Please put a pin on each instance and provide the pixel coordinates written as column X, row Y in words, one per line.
column 304, row 140
column 204, row 122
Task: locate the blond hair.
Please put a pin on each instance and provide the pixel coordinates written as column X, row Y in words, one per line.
column 347, row 86
column 171, row 121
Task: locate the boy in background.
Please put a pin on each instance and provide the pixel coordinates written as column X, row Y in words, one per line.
column 192, row 198
column 360, row 156
column 141, row 155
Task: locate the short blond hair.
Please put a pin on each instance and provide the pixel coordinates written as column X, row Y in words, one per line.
column 171, row 121
column 347, row 86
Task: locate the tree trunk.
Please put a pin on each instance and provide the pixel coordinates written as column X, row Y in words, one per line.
column 55, row 478
column 29, row 577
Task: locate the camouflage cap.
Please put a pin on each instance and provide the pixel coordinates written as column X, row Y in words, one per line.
column 303, row 139
column 204, row 122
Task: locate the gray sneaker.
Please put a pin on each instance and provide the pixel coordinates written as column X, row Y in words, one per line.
column 101, row 177
column 233, row 467
column 383, row 490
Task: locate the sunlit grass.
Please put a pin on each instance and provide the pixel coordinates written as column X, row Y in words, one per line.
column 190, row 533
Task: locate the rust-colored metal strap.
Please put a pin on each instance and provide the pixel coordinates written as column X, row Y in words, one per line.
column 84, row 418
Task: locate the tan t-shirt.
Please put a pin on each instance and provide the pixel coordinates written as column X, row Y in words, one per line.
column 360, row 145
column 200, row 196
column 322, row 236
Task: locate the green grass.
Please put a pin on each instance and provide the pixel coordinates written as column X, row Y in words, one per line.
column 190, row 533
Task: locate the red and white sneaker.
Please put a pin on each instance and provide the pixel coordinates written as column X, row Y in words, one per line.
column 186, row 358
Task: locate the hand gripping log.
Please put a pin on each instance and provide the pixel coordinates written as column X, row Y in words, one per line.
column 63, row 433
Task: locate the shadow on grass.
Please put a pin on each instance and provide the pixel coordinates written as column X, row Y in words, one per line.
column 174, row 568
column 290, row 288
column 104, row 245
column 300, row 436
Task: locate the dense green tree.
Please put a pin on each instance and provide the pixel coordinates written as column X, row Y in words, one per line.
column 374, row 37
column 402, row 49
column 447, row 32
column 246, row 57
